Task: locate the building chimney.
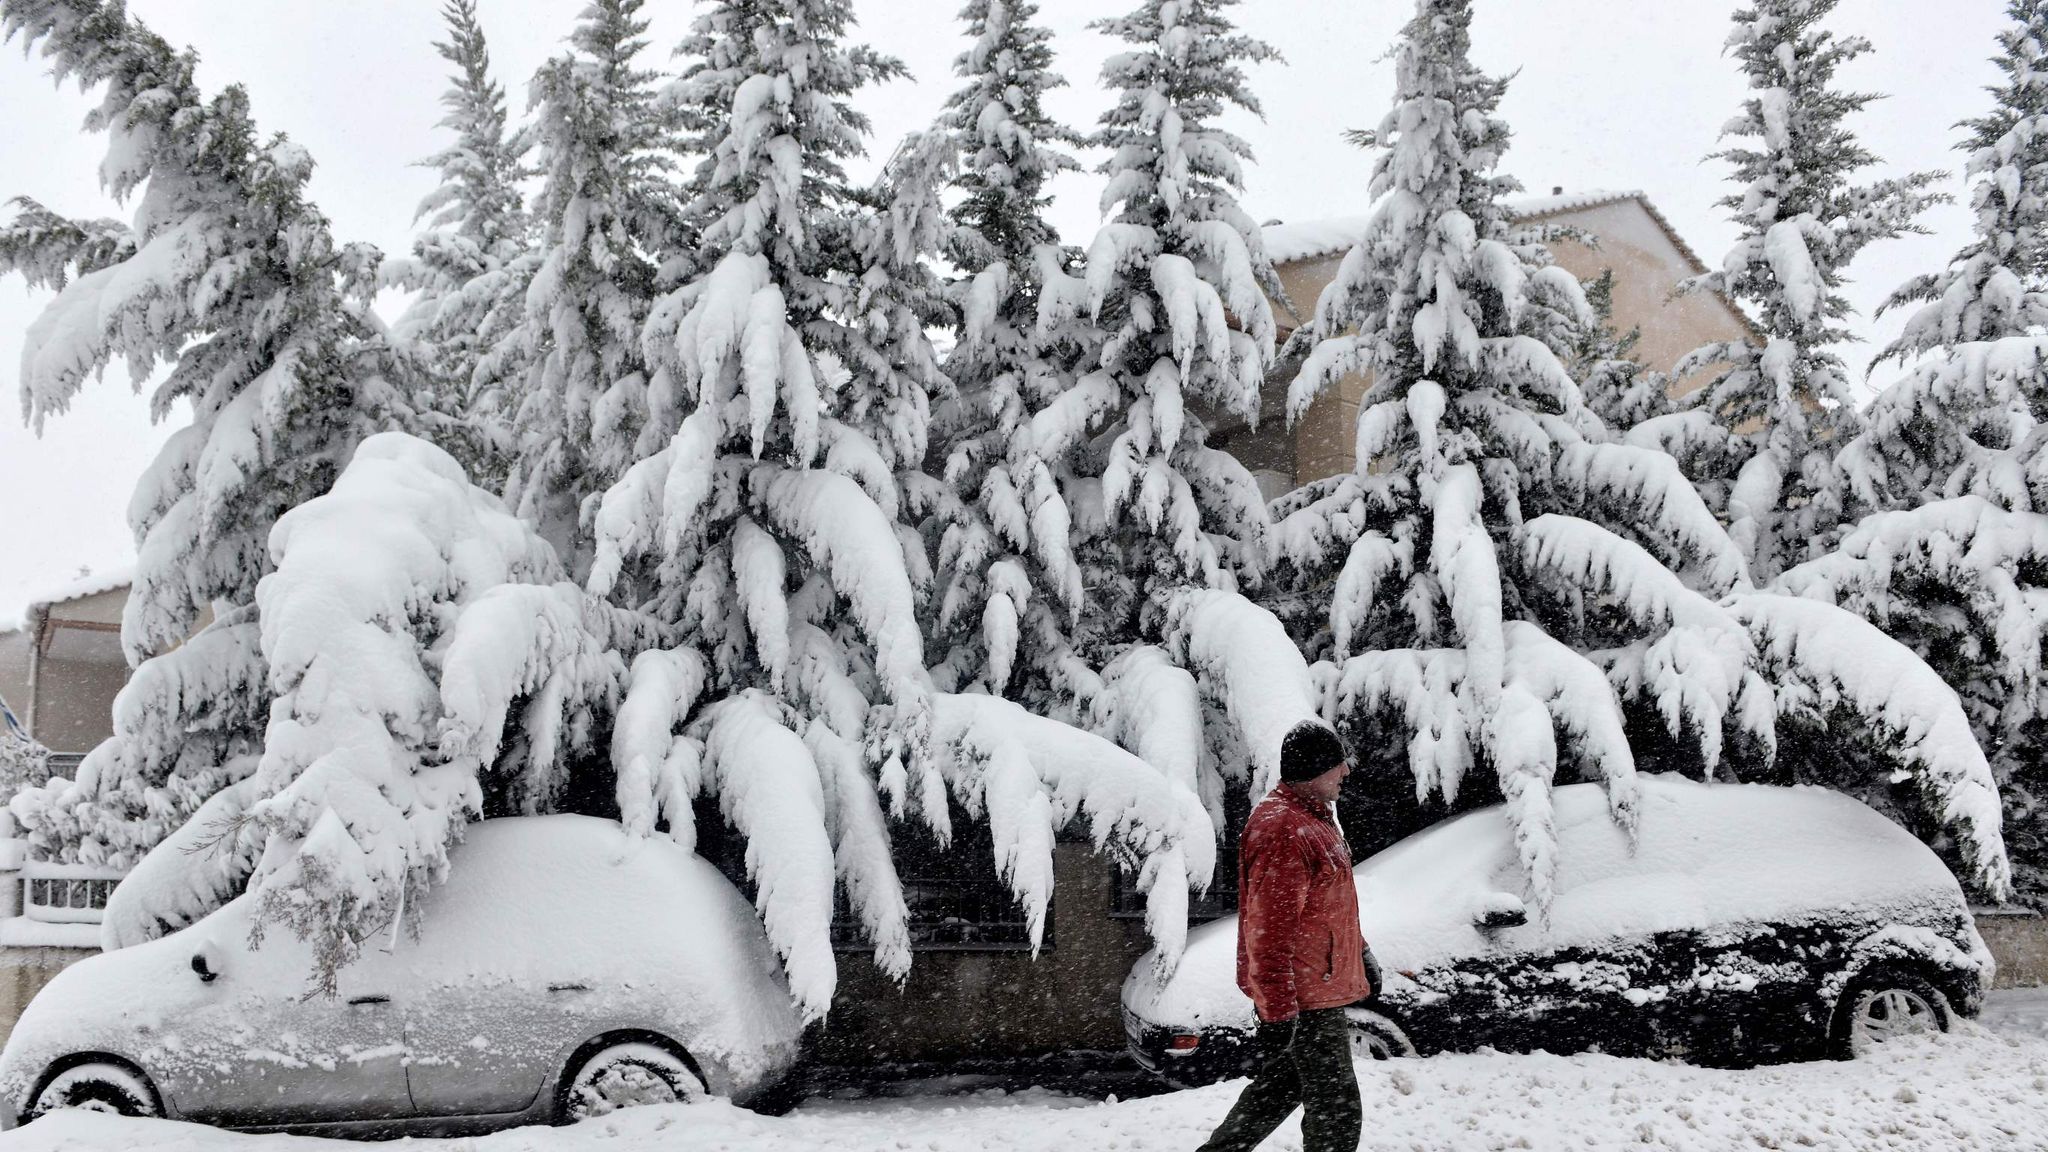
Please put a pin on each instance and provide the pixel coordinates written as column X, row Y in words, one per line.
column 1557, row 190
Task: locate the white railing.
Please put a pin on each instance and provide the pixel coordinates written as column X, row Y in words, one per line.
column 66, row 893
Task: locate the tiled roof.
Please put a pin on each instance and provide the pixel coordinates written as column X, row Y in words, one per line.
column 1311, row 239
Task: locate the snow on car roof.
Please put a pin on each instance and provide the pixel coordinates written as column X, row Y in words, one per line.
column 529, row 901
column 1707, row 854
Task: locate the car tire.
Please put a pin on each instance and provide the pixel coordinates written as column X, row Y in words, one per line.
column 1376, row 1036
column 1882, row 1004
column 98, row 1086
column 626, row 1075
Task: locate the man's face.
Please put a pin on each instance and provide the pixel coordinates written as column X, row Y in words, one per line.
column 1323, row 789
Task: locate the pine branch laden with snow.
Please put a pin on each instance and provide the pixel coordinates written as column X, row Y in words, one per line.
column 408, row 616
column 188, row 724
column 1008, row 584
column 1959, row 582
column 1826, row 658
column 1783, row 393
column 613, row 235
column 1178, row 281
column 1031, row 776
column 1965, row 422
column 228, row 275
column 470, row 267
column 1992, row 288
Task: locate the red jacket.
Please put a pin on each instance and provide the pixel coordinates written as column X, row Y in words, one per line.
column 1298, row 942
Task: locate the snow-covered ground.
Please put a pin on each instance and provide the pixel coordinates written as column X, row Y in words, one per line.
column 1980, row 1088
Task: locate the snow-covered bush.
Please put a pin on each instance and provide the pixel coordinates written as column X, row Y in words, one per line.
column 24, row 763
column 1502, row 580
column 1758, row 435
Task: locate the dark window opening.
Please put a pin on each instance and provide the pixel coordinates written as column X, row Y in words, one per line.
column 955, row 900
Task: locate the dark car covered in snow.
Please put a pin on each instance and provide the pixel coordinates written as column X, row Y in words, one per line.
column 1740, row 923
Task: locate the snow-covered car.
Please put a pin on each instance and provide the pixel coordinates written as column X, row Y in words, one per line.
column 564, row 969
column 1743, row 922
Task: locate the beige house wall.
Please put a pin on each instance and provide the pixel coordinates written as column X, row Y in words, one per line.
column 68, row 702
column 1648, row 266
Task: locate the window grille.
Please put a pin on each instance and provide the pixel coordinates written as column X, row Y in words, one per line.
column 955, row 900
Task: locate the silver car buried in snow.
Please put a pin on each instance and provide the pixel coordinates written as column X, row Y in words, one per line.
column 564, row 969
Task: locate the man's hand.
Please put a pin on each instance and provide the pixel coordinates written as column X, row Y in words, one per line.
column 1276, row 1038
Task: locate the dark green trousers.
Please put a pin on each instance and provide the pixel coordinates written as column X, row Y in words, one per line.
column 1313, row 1073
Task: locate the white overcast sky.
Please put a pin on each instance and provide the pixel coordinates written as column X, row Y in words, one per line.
column 1610, row 94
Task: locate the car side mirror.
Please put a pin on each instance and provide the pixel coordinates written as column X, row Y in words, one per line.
column 206, row 964
column 1500, row 910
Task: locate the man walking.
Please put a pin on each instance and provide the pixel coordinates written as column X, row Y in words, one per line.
column 1299, row 954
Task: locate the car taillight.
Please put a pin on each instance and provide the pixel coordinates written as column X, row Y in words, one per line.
column 1183, row 1043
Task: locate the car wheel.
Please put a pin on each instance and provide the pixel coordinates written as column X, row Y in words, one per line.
column 626, row 1076
column 1886, row 1005
column 1375, row 1036
column 97, row 1087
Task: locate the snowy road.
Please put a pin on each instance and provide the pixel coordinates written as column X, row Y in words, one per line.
column 1976, row 1089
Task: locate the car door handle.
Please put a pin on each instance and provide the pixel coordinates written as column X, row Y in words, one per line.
column 369, row 1000
column 568, row 987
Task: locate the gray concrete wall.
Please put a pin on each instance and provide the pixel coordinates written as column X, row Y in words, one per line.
column 963, row 1005
column 2020, row 945
column 24, row 971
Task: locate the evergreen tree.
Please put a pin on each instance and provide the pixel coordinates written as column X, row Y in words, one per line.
column 1950, row 468
column 1762, row 430
column 230, row 276
column 1994, row 286
column 609, row 214
column 1617, row 387
column 1177, row 262
column 1514, row 590
column 1009, row 591
column 470, row 268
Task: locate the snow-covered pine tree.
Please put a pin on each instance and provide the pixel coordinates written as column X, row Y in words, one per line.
column 1508, row 586
column 470, row 267
column 1169, row 530
column 427, row 664
column 1617, row 387
column 611, row 222
column 774, row 532
column 230, row 276
column 1757, row 437
column 1992, row 288
column 1009, row 590
column 1952, row 464
column 1178, row 280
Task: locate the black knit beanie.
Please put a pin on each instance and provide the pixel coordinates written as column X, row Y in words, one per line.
column 1309, row 750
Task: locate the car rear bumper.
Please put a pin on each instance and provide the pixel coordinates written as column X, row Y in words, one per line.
column 1218, row 1054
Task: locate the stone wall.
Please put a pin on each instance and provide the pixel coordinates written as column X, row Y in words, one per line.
column 24, row 971
column 2019, row 942
column 969, row 1005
